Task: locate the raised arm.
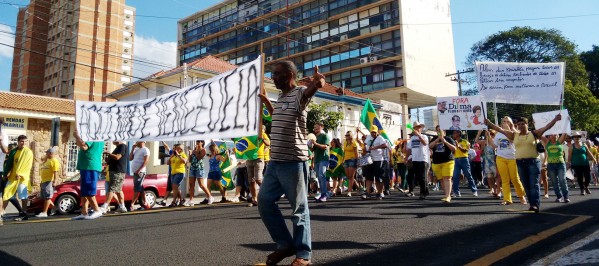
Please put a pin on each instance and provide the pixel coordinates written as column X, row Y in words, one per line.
column 507, row 133
column 562, row 138
column 316, row 83
column 542, row 130
column 478, row 136
column 80, row 143
column 266, row 102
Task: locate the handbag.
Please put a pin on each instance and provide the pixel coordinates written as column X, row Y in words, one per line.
column 539, row 146
column 365, row 160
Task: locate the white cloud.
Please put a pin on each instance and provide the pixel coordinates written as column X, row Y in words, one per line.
column 163, row 55
column 6, row 38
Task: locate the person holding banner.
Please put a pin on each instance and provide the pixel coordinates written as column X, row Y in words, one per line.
column 556, row 166
column 506, row 163
column 89, row 164
column 462, row 165
column 579, row 160
column 527, row 157
column 287, row 172
column 443, row 161
column 215, row 174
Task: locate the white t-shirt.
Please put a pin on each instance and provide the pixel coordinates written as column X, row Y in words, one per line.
column 420, row 152
column 377, row 154
column 505, row 148
column 2, row 154
column 138, row 159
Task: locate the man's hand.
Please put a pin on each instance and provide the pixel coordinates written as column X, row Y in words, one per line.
column 558, row 117
column 263, row 97
column 317, row 79
column 488, row 122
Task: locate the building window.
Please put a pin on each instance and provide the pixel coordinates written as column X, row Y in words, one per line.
column 72, row 152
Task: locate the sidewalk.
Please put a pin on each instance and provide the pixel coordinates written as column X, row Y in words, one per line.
column 582, row 252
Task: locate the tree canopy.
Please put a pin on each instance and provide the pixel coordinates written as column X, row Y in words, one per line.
column 320, row 113
column 591, row 63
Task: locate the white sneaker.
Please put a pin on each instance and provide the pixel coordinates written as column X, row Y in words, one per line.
column 94, row 216
column 188, row 204
column 122, row 210
column 80, row 217
column 235, row 200
column 475, row 194
column 104, row 210
column 317, row 196
column 42, row 215
column 210, row 200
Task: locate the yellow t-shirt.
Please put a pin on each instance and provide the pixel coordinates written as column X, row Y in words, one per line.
column 349, row 151
column 525, row 146
column 262, row 153
column 398, row 156
column 459, row 153
column 595, row 152
column 48, row 168
column 177, row 165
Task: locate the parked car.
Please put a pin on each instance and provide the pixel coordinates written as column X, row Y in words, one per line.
column 67, row 197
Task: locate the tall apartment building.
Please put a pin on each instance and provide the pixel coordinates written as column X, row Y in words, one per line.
column 87, row 47
column 396, row 50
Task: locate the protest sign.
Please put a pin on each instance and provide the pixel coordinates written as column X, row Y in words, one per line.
column 521, row 83
column 461, row 113
column 542, row 119
column 225, row 106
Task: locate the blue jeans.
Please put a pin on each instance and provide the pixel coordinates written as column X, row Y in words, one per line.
column 557, row 173
column 530, row 173
column 462, row 165
column 291, row 179
column 321, row 173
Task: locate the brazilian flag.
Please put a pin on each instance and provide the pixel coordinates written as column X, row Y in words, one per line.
column 265, row 113
column 225, row 167
column 369, row 119
column 336, row 163
column 246, row 148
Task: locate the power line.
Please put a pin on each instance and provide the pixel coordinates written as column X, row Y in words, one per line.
column 90, row 66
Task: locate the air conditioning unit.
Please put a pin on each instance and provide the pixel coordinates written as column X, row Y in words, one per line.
column 374, row 58
column 203, row 35
column 343, row 37
column 125, row 61
column 127, row 39
column 125, row 73
column 126, row 50
column 363, row 60
column 127, row 27
column 127, row 16
column 269, row 58
column 246, row 28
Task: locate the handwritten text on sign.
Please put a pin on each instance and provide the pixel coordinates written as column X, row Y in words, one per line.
column 520, row 83
column 461, row 113
column 542, row 119
column 225, row 106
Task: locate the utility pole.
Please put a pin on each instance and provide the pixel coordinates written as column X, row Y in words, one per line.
column 459, row 79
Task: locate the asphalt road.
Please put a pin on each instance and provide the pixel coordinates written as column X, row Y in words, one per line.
column 345, row 231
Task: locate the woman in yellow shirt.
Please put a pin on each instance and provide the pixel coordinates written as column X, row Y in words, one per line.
column 350, row 160
column 399, row 159
column 177, row 161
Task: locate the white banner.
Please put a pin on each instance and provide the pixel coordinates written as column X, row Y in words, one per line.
column 461, row 113
column 521, row 83
column 225, row 106
column 542, row 119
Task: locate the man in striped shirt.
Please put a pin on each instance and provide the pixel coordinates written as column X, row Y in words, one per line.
column 288, row 171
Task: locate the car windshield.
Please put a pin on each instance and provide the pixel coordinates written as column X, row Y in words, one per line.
column 72, row 178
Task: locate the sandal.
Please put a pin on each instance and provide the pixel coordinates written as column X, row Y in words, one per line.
column 506, row 203
column 300, row 262
column 278, row 256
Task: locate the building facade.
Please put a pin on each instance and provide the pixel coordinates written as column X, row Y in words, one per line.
column 77, row 50
column 397, row 50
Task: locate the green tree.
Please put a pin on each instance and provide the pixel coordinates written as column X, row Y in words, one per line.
column 320, row 113
column 524, row 44
column 582, row 106
column 591, row 63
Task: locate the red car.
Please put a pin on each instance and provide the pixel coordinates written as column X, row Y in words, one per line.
column 67, row 195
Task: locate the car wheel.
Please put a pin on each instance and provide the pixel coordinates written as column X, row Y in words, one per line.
column 150, row 198
column 66, row 204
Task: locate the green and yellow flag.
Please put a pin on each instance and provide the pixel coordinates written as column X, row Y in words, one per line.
column 369, row 119
column 225, row 167
column 246, row 148
column 335, row 163
column 265, row 113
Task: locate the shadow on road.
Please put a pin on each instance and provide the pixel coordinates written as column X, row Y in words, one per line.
column 7, row 259
column 462, row 247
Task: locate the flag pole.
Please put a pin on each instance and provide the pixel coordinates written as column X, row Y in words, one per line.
column 262, row 91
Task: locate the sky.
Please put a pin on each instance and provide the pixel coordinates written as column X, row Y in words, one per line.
column 473, row 20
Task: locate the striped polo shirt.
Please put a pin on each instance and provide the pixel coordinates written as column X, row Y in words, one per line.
column 288, row 131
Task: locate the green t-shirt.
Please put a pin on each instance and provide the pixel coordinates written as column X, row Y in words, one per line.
column 555, row 153
column 91, row 159
column 319, row 154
